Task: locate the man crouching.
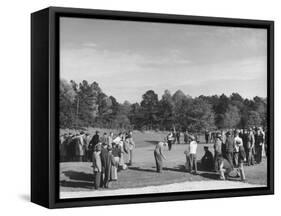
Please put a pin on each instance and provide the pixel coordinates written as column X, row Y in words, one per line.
column 227, row 170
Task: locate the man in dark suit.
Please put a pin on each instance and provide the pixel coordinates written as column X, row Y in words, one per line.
column 94, row 141
column 107, row 160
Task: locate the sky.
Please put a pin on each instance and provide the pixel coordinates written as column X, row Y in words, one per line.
column 127, row 58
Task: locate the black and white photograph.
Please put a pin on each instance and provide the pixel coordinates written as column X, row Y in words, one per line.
column 155, row 107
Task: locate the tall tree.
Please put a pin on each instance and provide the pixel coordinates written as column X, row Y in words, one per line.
column 166, row 111
column 220, row 110
column 67, row 97
column 197, row 115
column 254, row 119
column 149, row 105
column 86, row 103
column 136, row 116
column 232, row 117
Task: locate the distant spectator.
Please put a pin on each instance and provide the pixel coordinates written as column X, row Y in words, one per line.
column 250, row 148
column 79, row 147
column 104, row 139
column 229, row 148
column 259, row 145
column 95, row 140
column 131, row 147
column 107, row 161
column 185, row 135
column 97, row 166
column 63, row 148
column 170, row 139
column 237, row 141
column 192, row 155
column 241, row 160
column 207, row 136
column 88, row 153
column 178, row 135
column 116, row 152
column 110, row 139
column 217, row 151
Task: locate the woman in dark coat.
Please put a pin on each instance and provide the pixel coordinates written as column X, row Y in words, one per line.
column 158, row 155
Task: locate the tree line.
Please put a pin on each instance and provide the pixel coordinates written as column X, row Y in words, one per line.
column 85, row 104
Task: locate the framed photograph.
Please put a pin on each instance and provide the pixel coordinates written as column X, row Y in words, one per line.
column 139, row 107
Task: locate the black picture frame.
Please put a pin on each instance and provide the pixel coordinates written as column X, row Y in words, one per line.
column 45, row 101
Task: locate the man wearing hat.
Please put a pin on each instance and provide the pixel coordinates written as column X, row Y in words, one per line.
column 207, row 160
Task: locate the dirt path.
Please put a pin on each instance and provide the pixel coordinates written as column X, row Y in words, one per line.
column 176, row 187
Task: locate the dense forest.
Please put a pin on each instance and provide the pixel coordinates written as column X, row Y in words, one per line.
column 85, row 104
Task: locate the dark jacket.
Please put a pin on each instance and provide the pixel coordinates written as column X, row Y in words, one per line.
column 116, row 152
column 94, row 141
column 208, row 157
column 107, row 160
column 259, row 139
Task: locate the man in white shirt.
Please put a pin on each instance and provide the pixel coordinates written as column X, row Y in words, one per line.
column 192, row 155
column 118, row 140
column 237, row 141
column 170, row 139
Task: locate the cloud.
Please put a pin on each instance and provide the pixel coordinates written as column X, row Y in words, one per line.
column 127, row 58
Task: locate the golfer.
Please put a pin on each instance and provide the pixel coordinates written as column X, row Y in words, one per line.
column 158, row 155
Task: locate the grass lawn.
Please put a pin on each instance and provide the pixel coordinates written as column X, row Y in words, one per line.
column 78, row 176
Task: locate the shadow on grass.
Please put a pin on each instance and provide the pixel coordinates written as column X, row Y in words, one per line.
column 179, row 168
column 77, row 184
column 80, row 176
column 210, row 175
column 142, row 169
column 154, row 142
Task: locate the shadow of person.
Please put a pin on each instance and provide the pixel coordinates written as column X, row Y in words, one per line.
column 142, row 169
column 200, row 167
column 77, row 184
column 152, row 141
column 210, row 175
column 179, row 168
column 81, row 176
